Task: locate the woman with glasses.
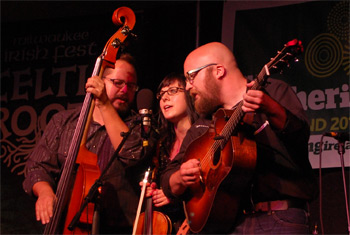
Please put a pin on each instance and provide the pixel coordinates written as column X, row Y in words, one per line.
column 176, row 115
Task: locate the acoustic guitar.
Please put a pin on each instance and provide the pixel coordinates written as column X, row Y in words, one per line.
column 227, row 158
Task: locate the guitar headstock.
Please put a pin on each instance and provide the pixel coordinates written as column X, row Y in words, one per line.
column 283, row 59
column 287, row 55
column 295, row 46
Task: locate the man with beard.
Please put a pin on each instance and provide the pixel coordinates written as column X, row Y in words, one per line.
column 113, row 95
column 275, row 199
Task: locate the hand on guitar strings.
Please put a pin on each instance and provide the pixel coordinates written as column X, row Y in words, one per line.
column 190, row 172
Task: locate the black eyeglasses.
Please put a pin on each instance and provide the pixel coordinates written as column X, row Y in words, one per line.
column 190, row 75
column 121, row 83
column 171, row 91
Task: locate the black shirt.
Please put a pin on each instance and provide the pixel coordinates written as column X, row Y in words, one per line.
column 283, row 169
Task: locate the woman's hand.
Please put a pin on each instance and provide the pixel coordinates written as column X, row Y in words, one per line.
column 158, row 197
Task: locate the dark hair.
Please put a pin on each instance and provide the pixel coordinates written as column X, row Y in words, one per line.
column 166, row 128
column 130, row 60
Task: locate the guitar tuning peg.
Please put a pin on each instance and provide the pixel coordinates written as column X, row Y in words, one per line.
column 296, row 60
column 283, row 61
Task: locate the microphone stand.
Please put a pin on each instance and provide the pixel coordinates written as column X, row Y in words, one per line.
column 341, row 151
column 94, row 188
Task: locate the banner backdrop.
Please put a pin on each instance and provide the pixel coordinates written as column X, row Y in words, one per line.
column 43, row 71
column 45, row 64
column 44, row 67
column 320, row 78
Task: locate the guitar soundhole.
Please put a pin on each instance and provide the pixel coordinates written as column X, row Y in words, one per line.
column 216, row 157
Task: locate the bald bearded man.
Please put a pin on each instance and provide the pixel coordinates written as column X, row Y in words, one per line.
column 275, row 199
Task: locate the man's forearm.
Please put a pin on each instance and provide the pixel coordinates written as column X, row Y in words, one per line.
column 41, row 188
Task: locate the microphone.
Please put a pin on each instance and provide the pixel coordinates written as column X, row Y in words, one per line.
column 341, row 136
column 144, row 105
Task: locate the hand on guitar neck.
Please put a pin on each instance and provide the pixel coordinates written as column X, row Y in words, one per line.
column 257, row 100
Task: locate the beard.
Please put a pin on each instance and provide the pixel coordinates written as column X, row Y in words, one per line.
column 123, row 109
column 209, row 99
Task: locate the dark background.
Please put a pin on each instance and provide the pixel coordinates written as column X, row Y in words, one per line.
column 166, row 29
column 167, row 32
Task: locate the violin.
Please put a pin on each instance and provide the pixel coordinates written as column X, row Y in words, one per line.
column 81, row 170
column 151, row 221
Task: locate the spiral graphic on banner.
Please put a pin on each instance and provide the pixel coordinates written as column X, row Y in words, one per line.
column 338, row 21
column 324, row 55
column 346, row 62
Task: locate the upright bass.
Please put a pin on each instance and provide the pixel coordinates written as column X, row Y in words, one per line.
column 81, row 170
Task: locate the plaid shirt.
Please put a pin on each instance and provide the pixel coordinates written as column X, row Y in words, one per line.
column 120, row 191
